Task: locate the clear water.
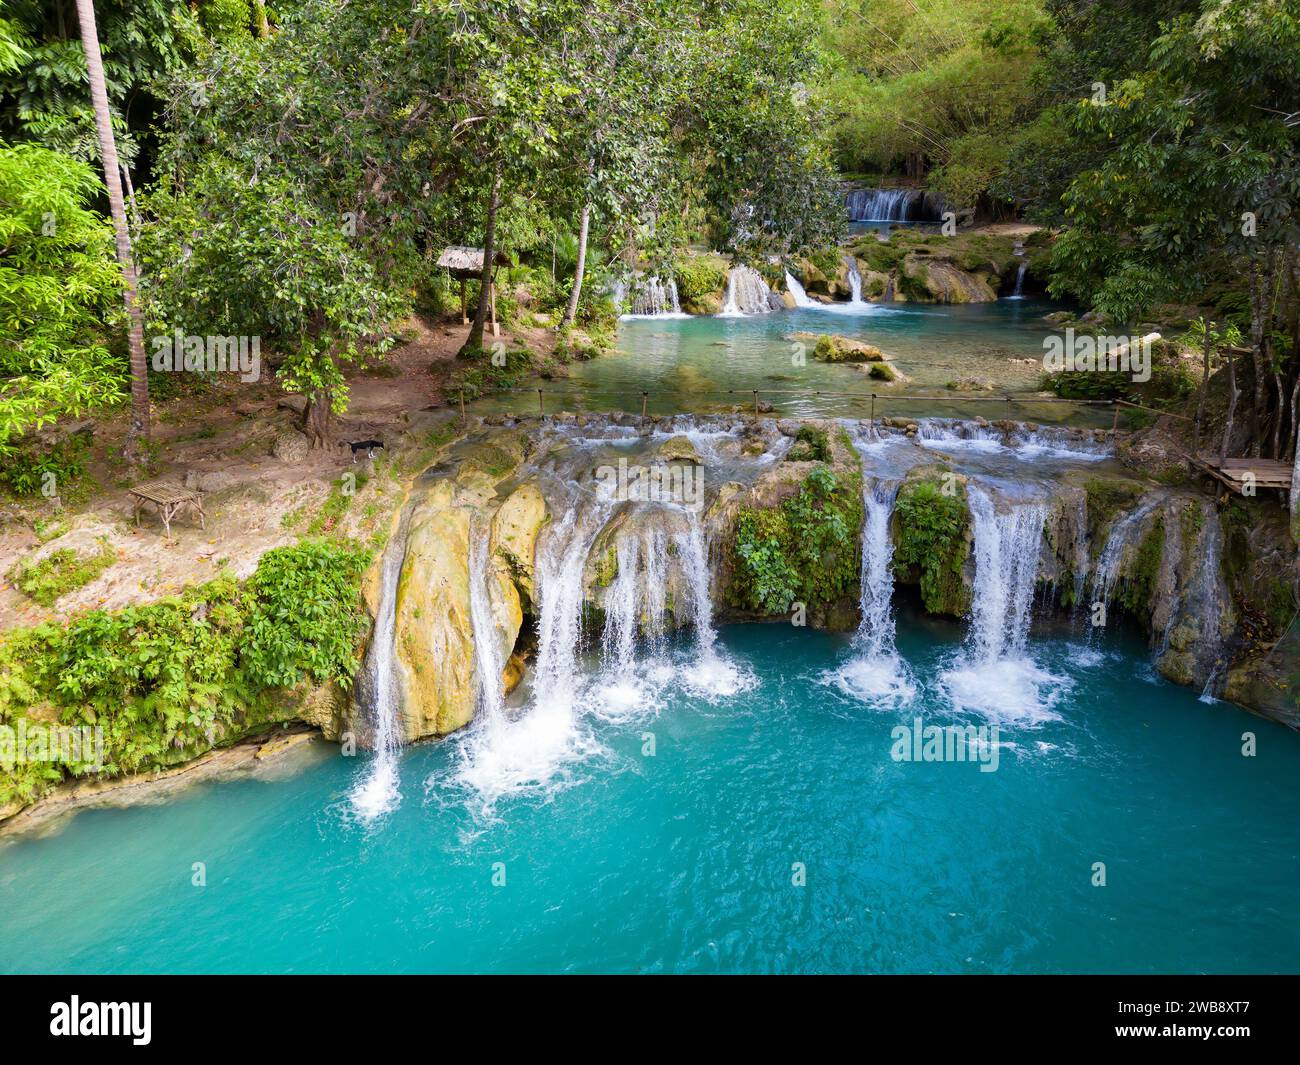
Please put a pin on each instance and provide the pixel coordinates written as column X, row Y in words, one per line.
column 682, row 862
column 708, row 363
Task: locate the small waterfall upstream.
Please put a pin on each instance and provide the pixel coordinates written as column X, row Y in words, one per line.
column 655, row 298
column 993, row 675
column 747, row 293
column 797, row 292
column 890, row 205
column 855, row 281
column 377, row 792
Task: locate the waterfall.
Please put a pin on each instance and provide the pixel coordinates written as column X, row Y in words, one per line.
column 1123, row 536
column 855, row 280
column 796, row 290
column 709, row 673
column 890, row 205
column 637, row 600
column 747, row 293
column 378, row 793
column 489, row 659
column 876, row 674
column 1020, row 283
column 1006, row 565
column 993, row 675
column 529, row 752
column 656, row 299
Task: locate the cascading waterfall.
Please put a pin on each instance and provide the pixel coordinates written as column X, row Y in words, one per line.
column 709, row 673
column 889, row 205
column 876, row 674
column 1123, row 537
column 747, row 293
column 532, row 750
column 637, row 599
column 994, row 676
column 797, row 292
column 378, row 792
column 489, row 659
column 855, row 281
column 655, row 298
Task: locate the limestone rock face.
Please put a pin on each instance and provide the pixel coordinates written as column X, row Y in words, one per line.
column 515, row 528
column 434, row 636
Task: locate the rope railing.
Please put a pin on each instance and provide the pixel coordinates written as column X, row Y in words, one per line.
column 874, row 397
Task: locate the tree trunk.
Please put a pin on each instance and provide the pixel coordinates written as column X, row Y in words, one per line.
column 259, row 16
column 1258, row 289
column 1233, row 393
column 316, row 419
column 571, row 311
column 139, row 427
column 1205, row 382
column 474, row 341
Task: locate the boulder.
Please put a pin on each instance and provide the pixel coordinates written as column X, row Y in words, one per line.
column 290, row 445
column 515, row 528
column 678, row 449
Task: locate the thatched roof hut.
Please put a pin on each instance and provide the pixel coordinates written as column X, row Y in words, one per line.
column 462, row 260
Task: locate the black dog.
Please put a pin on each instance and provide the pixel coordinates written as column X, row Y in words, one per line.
column 358, row 446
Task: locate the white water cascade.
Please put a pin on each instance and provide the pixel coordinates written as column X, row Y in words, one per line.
column 637, row 600
column 489, row 659
column 377, row 792
column 1123, row 537
column 709, row 673
column 855, row 282
column 994, row 676
column 797, row 292
column 747, row 293
column 876, row 674
column 530, row 750
column 889, row 205
column 656, row 299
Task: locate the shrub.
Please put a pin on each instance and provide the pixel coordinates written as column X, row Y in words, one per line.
column 61, row 572
column 931, row 539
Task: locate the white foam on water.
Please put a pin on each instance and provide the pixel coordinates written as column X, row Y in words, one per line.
column 532, row 752
column 379, row 792
column 994, row 676
column 876, row 674
column 707, row 672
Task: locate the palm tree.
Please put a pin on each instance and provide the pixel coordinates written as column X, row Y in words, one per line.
column 113, row 182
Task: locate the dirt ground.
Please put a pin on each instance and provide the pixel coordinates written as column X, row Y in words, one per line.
column 221, row 441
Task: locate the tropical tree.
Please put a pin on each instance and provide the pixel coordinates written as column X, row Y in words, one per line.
column 139, row 426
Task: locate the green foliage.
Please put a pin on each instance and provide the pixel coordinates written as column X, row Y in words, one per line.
column 60, row 293
column 305, row 620
column 810, row 445
column 29, row 468
column 61, row 572
column 802, row 551
column 932, row 540
column 1136, row 589
column 170, row 679
column 946, row 81
column 1105, row 499
column 698, row 278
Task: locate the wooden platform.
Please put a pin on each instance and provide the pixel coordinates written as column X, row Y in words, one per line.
column 1238, row 473
column 168, row 497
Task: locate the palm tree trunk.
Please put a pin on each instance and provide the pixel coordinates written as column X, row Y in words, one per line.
column 571, row 311
column 474, row 341
column 139, row 427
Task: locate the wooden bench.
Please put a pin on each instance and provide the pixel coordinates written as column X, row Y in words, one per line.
column 168, row 497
